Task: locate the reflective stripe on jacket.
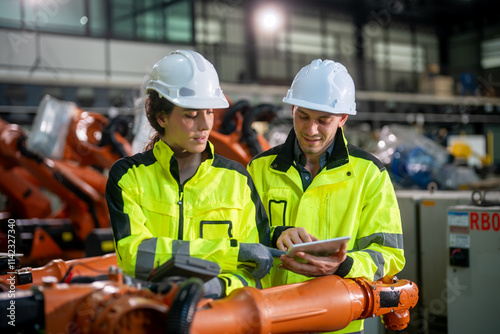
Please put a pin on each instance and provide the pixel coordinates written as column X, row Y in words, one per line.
column 154, row 216
column 352, row 196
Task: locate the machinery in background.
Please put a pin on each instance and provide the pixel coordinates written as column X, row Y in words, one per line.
column 424, row 217
column 470, row 150
column 233, row 135
column 81, row 295
column 44, row 234
column 414, row 160
column 60, row 162
column 473, row 240
column 94, row 140
column 62, row 131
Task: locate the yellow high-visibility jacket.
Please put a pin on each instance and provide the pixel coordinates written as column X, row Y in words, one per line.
column 351, row 196
column 154, row 216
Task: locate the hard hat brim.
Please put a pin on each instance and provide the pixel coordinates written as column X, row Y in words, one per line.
column 319, row 107
column 194, row 102
column 201, row 103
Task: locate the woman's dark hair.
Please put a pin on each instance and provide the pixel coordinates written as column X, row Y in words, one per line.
column 156, row 105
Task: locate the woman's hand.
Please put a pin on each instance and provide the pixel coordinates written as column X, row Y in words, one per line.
column 315, row 265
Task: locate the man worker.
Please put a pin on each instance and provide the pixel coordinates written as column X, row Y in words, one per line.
column 316, row 186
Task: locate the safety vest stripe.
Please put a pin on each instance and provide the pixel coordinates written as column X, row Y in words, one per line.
column 393, row 240
column 261, row 219
column 243, row 281
column 379, row 261
column 145, row 258
column 181, row 247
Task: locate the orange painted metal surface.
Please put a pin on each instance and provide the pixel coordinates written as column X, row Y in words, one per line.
column 322, row 304
column 90, row 266
column 326, row 303
column 84, row 204
column 85, row 134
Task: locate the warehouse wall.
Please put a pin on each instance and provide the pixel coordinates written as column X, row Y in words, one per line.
column 49, row 58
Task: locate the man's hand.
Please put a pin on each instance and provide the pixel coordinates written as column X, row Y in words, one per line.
column 292, row 236
column 261, row 255
column 316, row 265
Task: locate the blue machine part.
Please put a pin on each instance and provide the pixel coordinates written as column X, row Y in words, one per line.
column 399, row 167
column 420, row 167
column 412, row 165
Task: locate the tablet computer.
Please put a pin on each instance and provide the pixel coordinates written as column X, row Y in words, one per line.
column 186, row 266
column 319, row 248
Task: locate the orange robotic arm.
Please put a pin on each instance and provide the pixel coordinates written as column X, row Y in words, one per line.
column 85, row 203
column 93, row 139
column 26, row 278
column 322, row 304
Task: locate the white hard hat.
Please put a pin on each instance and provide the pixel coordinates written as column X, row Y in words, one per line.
column 187, row 79
column 325, row 86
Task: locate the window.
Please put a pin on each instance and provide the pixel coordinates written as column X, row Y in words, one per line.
column 10, row 14
column 97, row 18
column 490, row 53
column 179, row 22
column 153, row 20
column 399, row 57
column 148, row 20
column 55, row 16
column 208, row 31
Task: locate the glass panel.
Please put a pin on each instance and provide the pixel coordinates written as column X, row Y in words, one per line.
column 122, row 23
column 399, row 57
column 235, row 32
column 179, row 23
column 208, row 31
column 150, row 25
column 152, row 20
column 302, row 42
column 57, row 16
column 10, row 13
column 490, row 53
column 97, row 19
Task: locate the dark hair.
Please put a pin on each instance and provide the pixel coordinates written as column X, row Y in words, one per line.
column 156, row 105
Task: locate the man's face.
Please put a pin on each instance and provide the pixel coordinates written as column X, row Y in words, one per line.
column 315, row 130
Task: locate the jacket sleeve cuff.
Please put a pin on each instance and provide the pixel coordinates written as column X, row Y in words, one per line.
column 277, row 232
column 229, row 262
column 345, row 267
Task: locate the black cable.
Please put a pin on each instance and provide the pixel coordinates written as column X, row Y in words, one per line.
column 80, row 264
column 183, row 308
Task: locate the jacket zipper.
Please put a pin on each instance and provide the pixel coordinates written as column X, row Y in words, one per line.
column 181, row 205
column 181, row 210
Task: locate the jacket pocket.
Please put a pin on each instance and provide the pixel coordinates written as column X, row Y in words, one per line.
column 277, row 212
column 211, row 229
column 278, row 203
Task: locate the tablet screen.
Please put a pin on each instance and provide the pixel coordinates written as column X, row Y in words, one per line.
column 320, row 247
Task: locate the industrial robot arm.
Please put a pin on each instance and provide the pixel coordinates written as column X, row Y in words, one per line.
column 326, row 303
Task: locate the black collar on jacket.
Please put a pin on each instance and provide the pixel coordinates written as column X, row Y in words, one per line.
column 284, row 159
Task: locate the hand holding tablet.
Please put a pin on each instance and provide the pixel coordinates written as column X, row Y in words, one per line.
column 320, row 247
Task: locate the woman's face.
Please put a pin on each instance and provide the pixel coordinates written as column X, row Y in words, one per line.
column 187, row 130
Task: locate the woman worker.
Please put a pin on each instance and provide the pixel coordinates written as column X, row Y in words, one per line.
column 179, row 197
